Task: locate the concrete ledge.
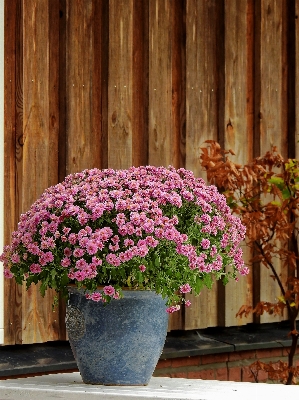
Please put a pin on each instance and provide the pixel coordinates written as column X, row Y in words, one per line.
column 70, row 386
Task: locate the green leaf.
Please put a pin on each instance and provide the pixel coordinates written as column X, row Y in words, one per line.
column 43, row 288
column 157, row 260
column 286, row 194
column 208, row 281
column 225, row 280
column 64, row 280
column 199, row 284
column 277, row 181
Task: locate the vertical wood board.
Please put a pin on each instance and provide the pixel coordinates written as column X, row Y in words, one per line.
column 237, row 130
column 10, row 21
column 19, row 142
column 82, row 103
column 40, row 139
column 140, row 82
column 273, row 129
column 161, row 148
column 120, row 85
column 201, row 121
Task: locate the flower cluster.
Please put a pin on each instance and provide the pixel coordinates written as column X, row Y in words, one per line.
column 149, row 228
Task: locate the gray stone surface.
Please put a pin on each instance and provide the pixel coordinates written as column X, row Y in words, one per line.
column 70, row 386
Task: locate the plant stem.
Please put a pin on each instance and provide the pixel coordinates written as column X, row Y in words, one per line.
column 293, row 348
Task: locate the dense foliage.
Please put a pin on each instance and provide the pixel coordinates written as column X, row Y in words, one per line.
column 147, row 228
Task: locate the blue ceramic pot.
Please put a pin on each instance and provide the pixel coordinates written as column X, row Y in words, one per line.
column 118, row 343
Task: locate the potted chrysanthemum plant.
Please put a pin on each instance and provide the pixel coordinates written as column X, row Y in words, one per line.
column 108, row 236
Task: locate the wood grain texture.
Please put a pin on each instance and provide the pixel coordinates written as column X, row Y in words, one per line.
column 237, row 128
column 10, row 21
column 40, row 145
column 273, row 107
column 202, row 86
column 160, row 84
column 18, row 151
column 166, row 84
column 82, row 105
column 178, row 18
column 120, row 86
column 140, row 83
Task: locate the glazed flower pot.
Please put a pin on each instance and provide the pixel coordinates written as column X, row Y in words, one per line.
column 117, row 343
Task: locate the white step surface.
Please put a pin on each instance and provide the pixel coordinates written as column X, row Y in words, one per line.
column 70, row 386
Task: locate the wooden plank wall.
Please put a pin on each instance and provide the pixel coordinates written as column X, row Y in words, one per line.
column 115, row 83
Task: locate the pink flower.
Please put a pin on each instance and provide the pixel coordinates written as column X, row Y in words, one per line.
column 7, row 273
column 91, row 248
column 80, row 275
column 128, row 242
column 213, row 251
column 78, row 252
column 72, row 238
column 67, row 252
column 142, row 251
column 96, row 296
column 186, row 288
column 96, row 261
column 81, row 263
column 142, row 268
column 187, row 303
column 173, row 309
column 15, row 258
column 46, row 258
column 205, row 218
column 113, row 260
column 205, row 243
column 109, row 290
column 65, row 262
column 35, row 268
column 66, row 230
column 151, row 241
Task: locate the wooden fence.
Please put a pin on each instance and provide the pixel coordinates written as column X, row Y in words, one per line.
column 115, row 83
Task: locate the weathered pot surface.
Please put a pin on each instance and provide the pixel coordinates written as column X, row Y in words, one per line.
column 117, row 343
